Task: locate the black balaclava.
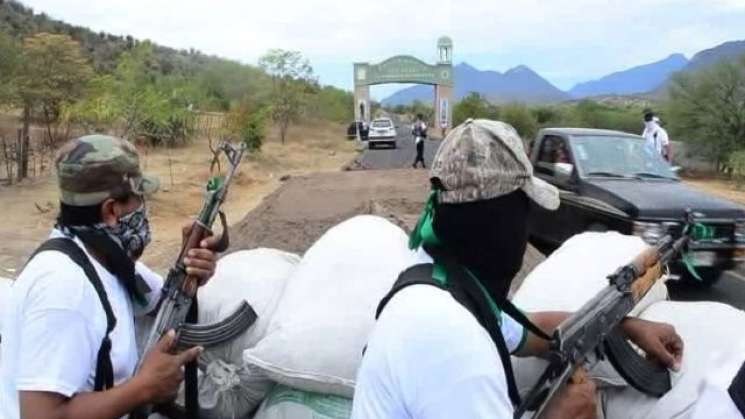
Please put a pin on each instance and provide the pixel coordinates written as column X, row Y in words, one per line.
column 488, row 237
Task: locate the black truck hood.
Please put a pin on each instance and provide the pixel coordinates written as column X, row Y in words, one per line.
column 658, row 199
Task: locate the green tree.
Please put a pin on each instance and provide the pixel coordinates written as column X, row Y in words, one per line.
column 9, row 63
column 248, row 123
column 707, row 109
column 54, row 73
column 520, row 117
column 292, row 80
column 474, row 106
column 138, row 102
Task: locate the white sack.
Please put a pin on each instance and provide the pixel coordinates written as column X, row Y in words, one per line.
column 713, row 336
column 226, row 388
column 578, row 270
column 324, row 318
column 287, row 403
column 570, row 277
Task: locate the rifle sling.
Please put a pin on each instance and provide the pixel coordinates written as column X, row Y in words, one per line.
column 466, row 293
column 191, row 384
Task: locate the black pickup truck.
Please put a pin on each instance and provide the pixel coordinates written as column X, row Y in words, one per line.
column 611, row 181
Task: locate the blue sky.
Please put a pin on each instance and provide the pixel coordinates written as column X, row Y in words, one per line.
column 566, row 41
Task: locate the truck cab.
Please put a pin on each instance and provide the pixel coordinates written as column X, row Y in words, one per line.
column 611, row 181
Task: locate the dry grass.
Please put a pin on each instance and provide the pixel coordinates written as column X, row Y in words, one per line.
column 720, row 187
column 315, row 147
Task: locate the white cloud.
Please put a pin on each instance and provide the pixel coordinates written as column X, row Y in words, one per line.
column 566, row 40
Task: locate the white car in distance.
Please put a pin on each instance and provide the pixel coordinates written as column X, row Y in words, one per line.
column 382, row 131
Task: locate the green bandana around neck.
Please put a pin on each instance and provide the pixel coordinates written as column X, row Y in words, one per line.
column 424, row 235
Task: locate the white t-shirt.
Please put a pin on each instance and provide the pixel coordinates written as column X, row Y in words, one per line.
column 429, row 358
column 656, row 136
column 422, row 126
column 53, row 327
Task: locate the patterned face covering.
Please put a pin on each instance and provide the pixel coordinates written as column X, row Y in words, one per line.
column 131, row 233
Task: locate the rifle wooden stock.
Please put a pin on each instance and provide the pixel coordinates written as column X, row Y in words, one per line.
column 644, row 283
column 646, row 259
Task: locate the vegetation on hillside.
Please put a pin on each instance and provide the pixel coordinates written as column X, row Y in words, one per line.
column 65, row 76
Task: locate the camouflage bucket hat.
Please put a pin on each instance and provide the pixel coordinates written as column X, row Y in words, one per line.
column 93, row 168
column 482, row 159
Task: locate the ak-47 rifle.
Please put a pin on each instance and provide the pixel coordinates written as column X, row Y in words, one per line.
column 180, row 288
column 591, row 333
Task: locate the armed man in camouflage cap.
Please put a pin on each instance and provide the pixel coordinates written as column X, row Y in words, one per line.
column 69, row 336
column 442, row 344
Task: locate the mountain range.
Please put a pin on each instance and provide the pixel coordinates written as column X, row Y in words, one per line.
column 522, row 84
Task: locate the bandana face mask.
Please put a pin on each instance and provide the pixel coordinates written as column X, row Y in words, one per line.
column 131, row 233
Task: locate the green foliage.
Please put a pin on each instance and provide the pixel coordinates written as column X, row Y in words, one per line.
column 292, row 82
column 474, row 106
column 248, row 124
column 331, row 104
column 138, row 103
column 10, row 52
column 520, row 117
column 707, row 109
column 736, row 163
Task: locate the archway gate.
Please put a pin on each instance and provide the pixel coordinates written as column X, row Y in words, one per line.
column 408, row 69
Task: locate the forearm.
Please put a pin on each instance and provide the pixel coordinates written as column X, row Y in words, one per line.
column 110, row 404
column 548, row 321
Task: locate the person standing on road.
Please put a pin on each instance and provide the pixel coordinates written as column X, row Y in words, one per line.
column 443, row 338
column 69, row 335
column 419, row 131
column 656, row 136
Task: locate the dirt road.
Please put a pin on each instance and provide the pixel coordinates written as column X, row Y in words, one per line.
column 297, row 214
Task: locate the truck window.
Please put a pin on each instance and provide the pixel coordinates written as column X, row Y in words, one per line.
column 554, row 159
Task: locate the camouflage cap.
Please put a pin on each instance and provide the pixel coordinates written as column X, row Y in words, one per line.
column 92, row 168
column 482, row 159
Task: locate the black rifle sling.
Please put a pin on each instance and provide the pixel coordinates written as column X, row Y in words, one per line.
column 191, row 384
column 104, row 370
column 471, row 298
column 737, row 390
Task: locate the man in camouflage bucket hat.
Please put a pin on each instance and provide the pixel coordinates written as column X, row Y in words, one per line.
column 69, row 338
column 445, row 333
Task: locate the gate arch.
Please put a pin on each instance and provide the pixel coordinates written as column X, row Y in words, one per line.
column 409, row 69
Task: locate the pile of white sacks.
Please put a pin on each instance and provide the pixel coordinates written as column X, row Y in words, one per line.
column 315, row 314
column 300, row 358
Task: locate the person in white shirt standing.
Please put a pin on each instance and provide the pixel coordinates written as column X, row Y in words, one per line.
column 656, row 136
column 419, row 131
column 68, row 332
column 444, row 334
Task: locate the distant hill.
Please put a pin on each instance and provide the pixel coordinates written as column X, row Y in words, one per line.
column 517, row 84
column 728, row 50
column 643, row 78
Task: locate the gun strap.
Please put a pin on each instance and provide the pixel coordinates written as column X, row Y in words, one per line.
column 466, row 293
column 104, row 378
column 191, row 384
column 737, row 390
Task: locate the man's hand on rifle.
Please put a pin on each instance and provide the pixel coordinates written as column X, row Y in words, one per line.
column 162, row 371
column 201, row 262
column 659, row 341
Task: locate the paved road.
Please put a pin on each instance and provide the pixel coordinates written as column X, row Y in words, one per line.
column 384, row 157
